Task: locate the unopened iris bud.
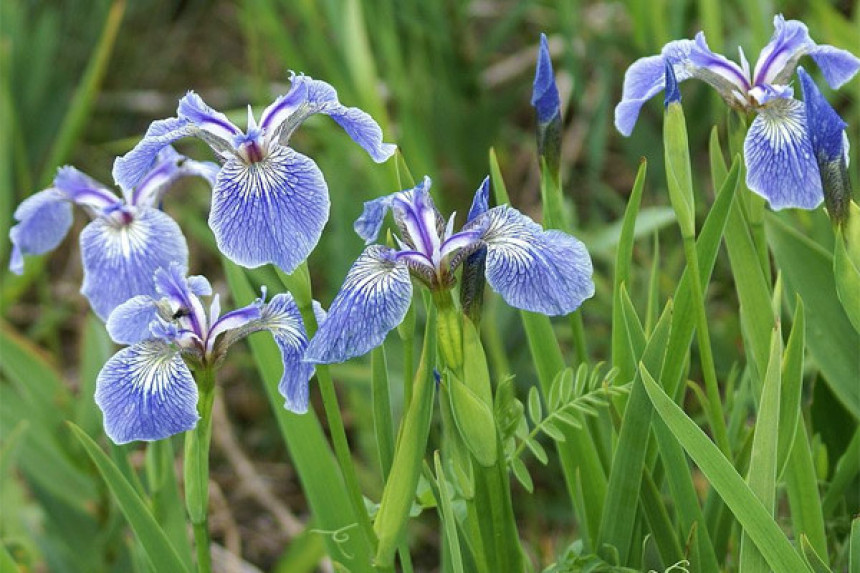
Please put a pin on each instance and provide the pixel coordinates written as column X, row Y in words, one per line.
column 830, row 145
column 547, row 104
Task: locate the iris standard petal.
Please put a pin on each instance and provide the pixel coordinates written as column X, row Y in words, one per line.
column 130, row 169
column 44, row 220
column 322, row 98
column 536, row 270
column 233, row 320
column 545, row 98
column 83, row 190
column 367, row 226
column 373, row 300
column 169, row 167
column 781, row 166
column 129, row 322
column 120, row 260
column 776, row 61
column 719, row 72
column 146, row 392
column 214, row 127
column 276, row 117
column 271, row 211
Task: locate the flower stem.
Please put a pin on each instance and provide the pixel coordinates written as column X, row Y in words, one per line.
column 715, row 412
column 299, row 284
column 197, row 468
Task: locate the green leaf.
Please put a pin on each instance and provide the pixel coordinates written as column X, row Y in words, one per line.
column 522, row 474
column 804, row 498
column 448, row 517
column 742, row 502
column 812, row 558
column 621, row 357
column 537, row 450
column 380, row 396
column 792, row 386
column 309, row 450
column 678, row 174
column 474, row 420
column 847, row 277
column 854, row 546
column 847, row 468
column 158, row 547
column 830, row 337
column 535, row 411
column 625, row 477
column 761, row 476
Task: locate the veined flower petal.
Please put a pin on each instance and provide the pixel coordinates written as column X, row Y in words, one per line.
column 367, row 226
column 322, row 98
column 282, row 318
column 169, row 167
column 130, row 169
column 130, row 321
column 715, row 69
column 373, row 300
column 44, row 220
column 146, row 392
column 215, row 129
column 276, row 116
column 233, row 320
column 271, row 211
column 536, row 270
column 826, row 129
column 120, row 260
column 838, row 66
column 83, row 190
column 645, row 78
column 781, row 166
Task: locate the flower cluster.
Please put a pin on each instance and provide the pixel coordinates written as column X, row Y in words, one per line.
column 129, row 237
column 541, row 271
column 781, row 164
column 147, row 391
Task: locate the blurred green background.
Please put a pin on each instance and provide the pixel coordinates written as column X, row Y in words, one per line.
column 81, row 80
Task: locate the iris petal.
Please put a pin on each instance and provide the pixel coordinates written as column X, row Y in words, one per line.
column 536, row 270
column 373, row 300
column 44, row 220
column 282, row 318
column 322, row 98
column 146, row 392
column 129, row 322
column 271, row 211
column 781, row 166
column 481, row 200
column 130, row 169
column 367, row 226
column 826, row 129
column 837, row 66
column 545, row 98
column 120, row 260
column 777, row 59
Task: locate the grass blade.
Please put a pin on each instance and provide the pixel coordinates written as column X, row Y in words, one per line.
column 158, row 547
column 743, row 503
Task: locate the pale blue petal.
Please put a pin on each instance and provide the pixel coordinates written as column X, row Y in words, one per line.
column 130, row 169
column 129, row 323
column 367, row 226
column 234, row 320
column 536, row 270
column 322, row 98
column 120, row 261
column 83, row 190
column 169, row 167
column 44, row 220
column 781, row 166
column 272, row 211
column 214, row 127
column 373, row 300
column 481, row 200
column 838, row 66
column 146, row 392
column 282, row 318
column 776, row 62
column 645, row 78
column 719, row 72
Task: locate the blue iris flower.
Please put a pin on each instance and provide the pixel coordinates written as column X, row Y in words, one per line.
column 269, row 203
column 146, row 391
column 545, row 98
column 129, row 237
column 781, row 165
column 533, row 269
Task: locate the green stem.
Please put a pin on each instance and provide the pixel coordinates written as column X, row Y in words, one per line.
column 381, row 400
column 715, row 412
column 197, row 468
column 299, row 284
column 578, row 330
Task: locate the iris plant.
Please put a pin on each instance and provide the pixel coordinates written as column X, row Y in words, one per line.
column 541, row 271
column 781, row 164
column 147, row 391
column 270, row 203
column 129, row 237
